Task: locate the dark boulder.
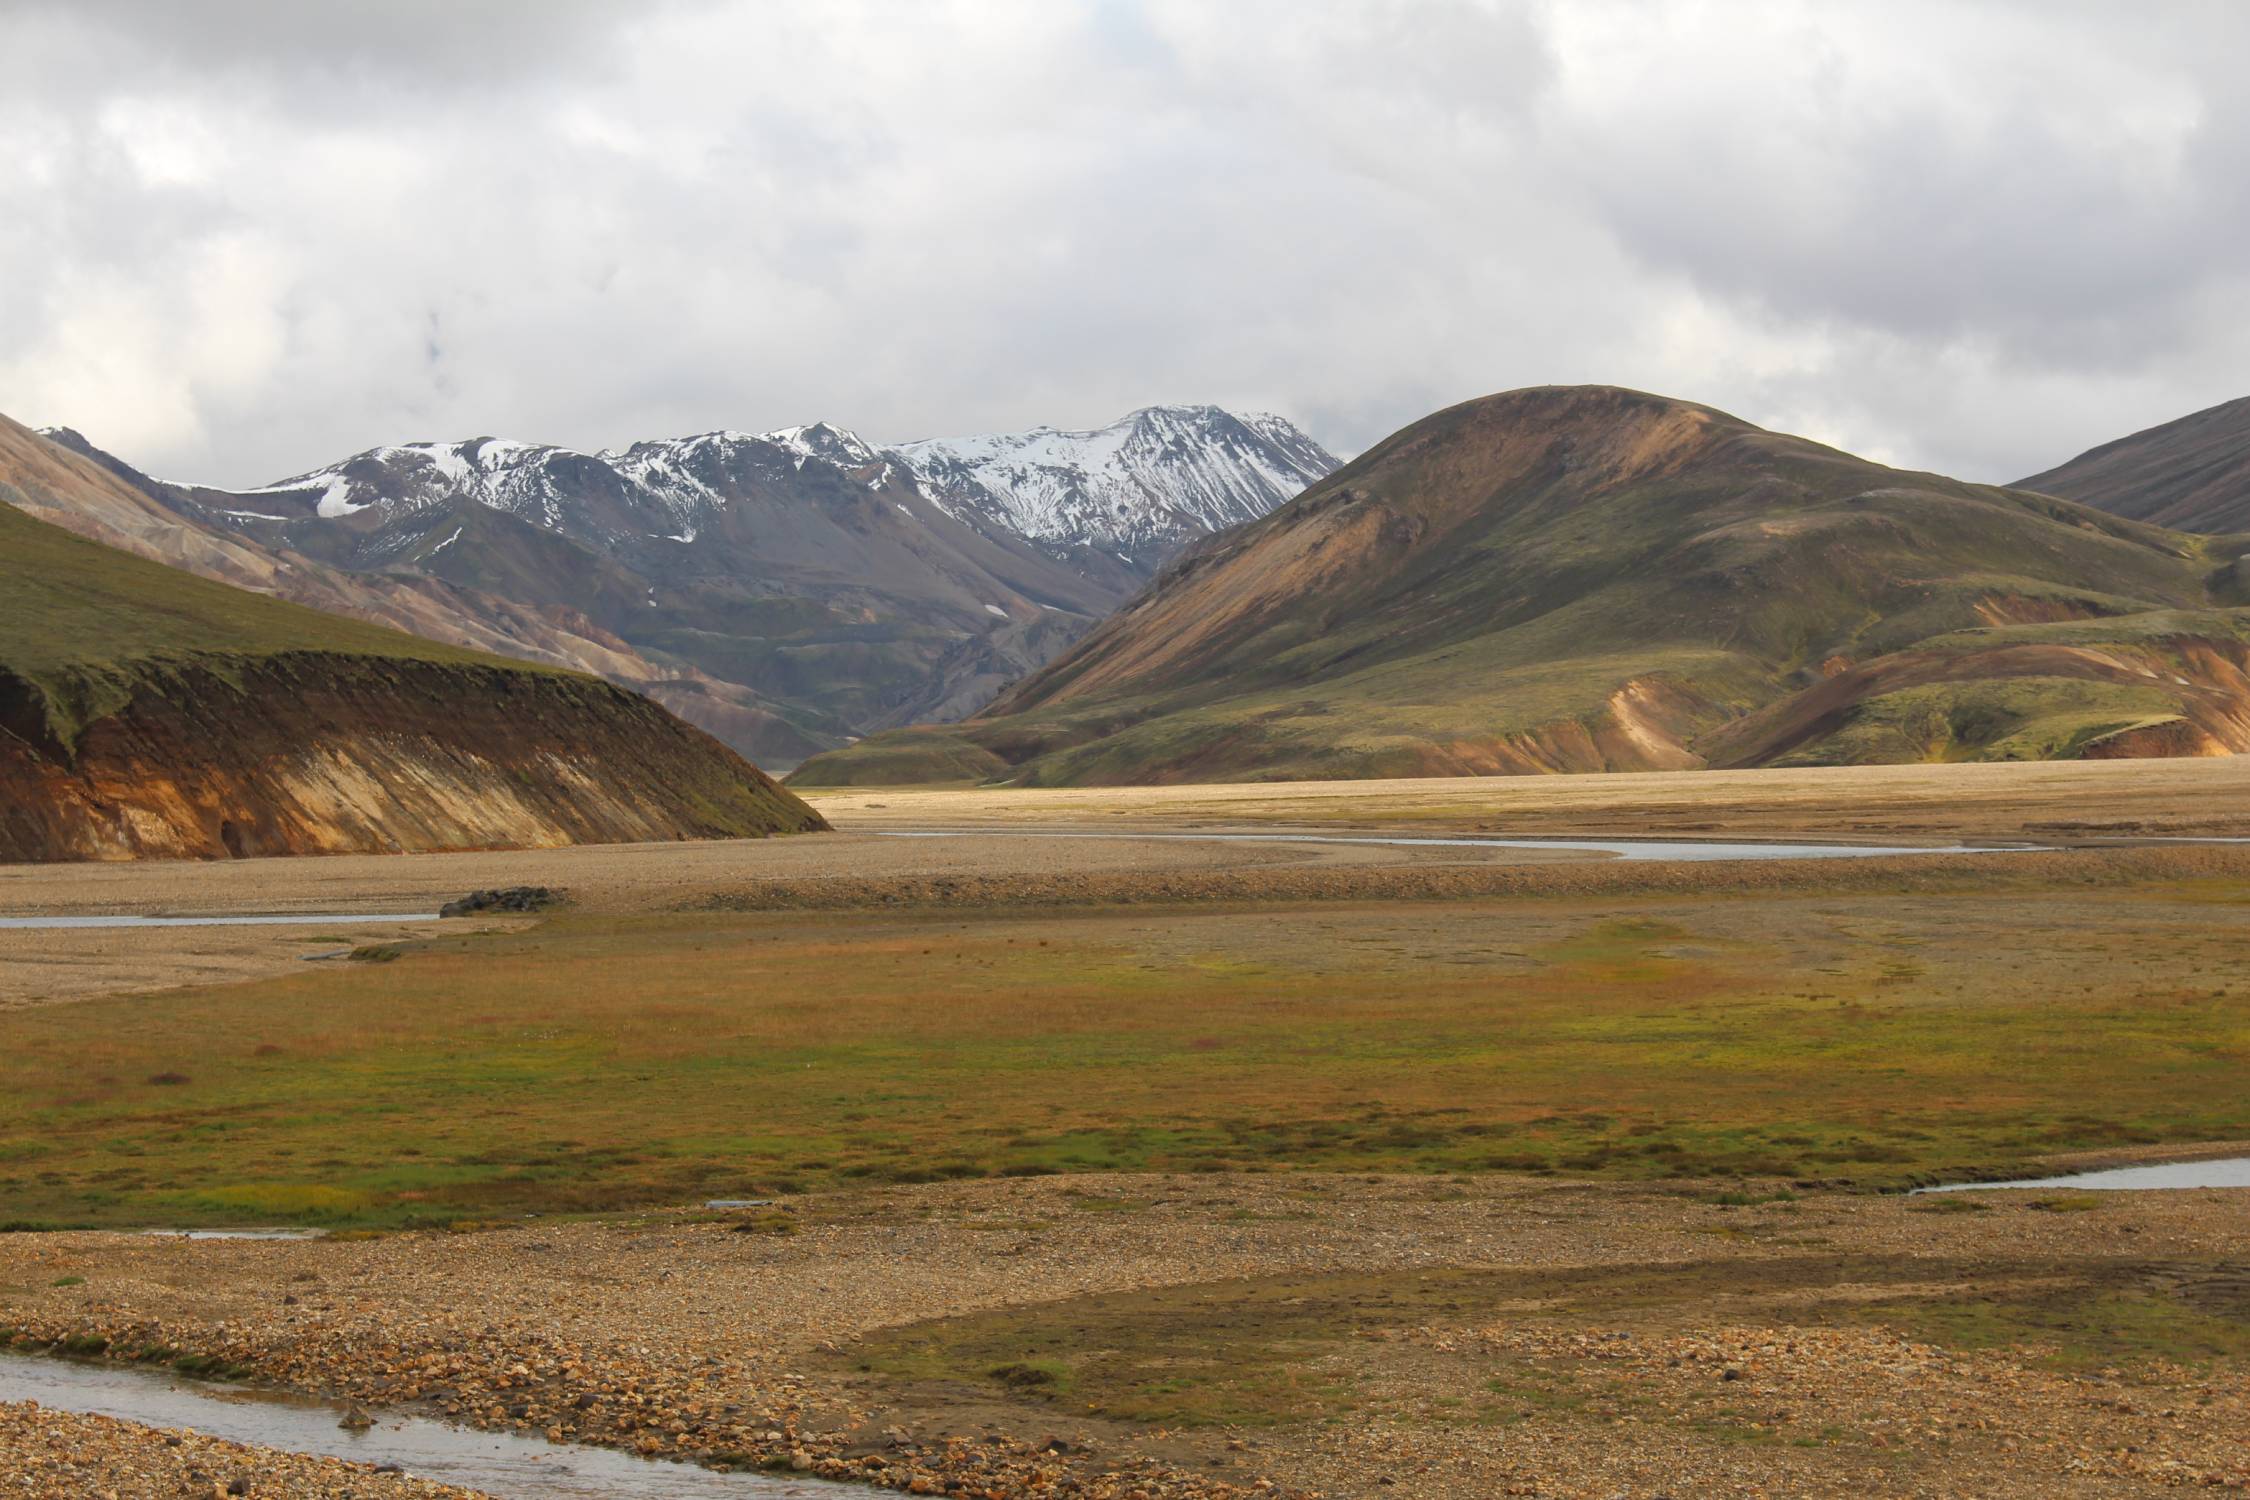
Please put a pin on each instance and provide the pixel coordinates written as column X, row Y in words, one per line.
column 514, row 898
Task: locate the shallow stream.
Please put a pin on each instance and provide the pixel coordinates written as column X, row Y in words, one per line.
column 289, row 919
column 1622, row 848
column 2223, row 1172
column 508, row 1465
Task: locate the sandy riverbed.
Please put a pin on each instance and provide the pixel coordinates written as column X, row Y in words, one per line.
column 2039, row 800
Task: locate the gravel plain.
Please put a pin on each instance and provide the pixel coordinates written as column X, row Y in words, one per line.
column 40, row 966
column 1585, row 1340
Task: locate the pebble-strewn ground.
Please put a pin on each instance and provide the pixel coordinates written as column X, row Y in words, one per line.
column 1678, row 1344
column 53, row 1455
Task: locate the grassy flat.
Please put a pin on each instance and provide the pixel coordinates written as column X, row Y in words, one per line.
column 596, row 1063
column 1272, row 1351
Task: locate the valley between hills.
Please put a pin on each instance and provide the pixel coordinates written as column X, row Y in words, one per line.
column 1124, row 750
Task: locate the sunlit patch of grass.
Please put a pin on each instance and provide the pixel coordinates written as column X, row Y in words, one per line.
column 284, row 1200
column 2075, row 1327
column 2066, row 1203
column 1276, row 1349
column 1750, row 1198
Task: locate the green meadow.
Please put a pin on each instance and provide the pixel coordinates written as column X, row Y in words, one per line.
column 591, row 1063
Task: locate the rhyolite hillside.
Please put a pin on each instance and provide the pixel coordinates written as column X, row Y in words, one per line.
column 1594, row 579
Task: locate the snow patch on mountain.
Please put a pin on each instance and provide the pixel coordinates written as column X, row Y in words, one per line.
column 833, row 445
column 1157, row 476
column 336, row 498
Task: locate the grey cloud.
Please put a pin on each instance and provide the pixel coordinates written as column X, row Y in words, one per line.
column 1970, row 190
column 422, row 41
column 242, row 238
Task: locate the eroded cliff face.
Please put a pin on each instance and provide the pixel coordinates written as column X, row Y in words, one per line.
column 322, row 753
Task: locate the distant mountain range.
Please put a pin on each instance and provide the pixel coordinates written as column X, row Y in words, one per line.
column 2193, row 474
column 787, row 590
column 1594, row 579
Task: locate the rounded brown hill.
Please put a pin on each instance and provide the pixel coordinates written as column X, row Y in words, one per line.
column 149, row 712
column 1586, row 578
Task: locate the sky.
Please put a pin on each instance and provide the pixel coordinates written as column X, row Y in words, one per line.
column 242, row 239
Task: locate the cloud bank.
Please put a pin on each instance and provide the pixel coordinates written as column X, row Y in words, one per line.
column 243, row 238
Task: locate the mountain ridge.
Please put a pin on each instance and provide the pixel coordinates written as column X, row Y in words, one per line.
column 2192, row 473
column 1073, row 486
column 820, row 585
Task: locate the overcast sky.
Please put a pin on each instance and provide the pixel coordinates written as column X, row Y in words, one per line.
column 239, row 239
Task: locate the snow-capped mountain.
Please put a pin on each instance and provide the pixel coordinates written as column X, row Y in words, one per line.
column 1138, row 488
column 1142, row 485
column 848, row 585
